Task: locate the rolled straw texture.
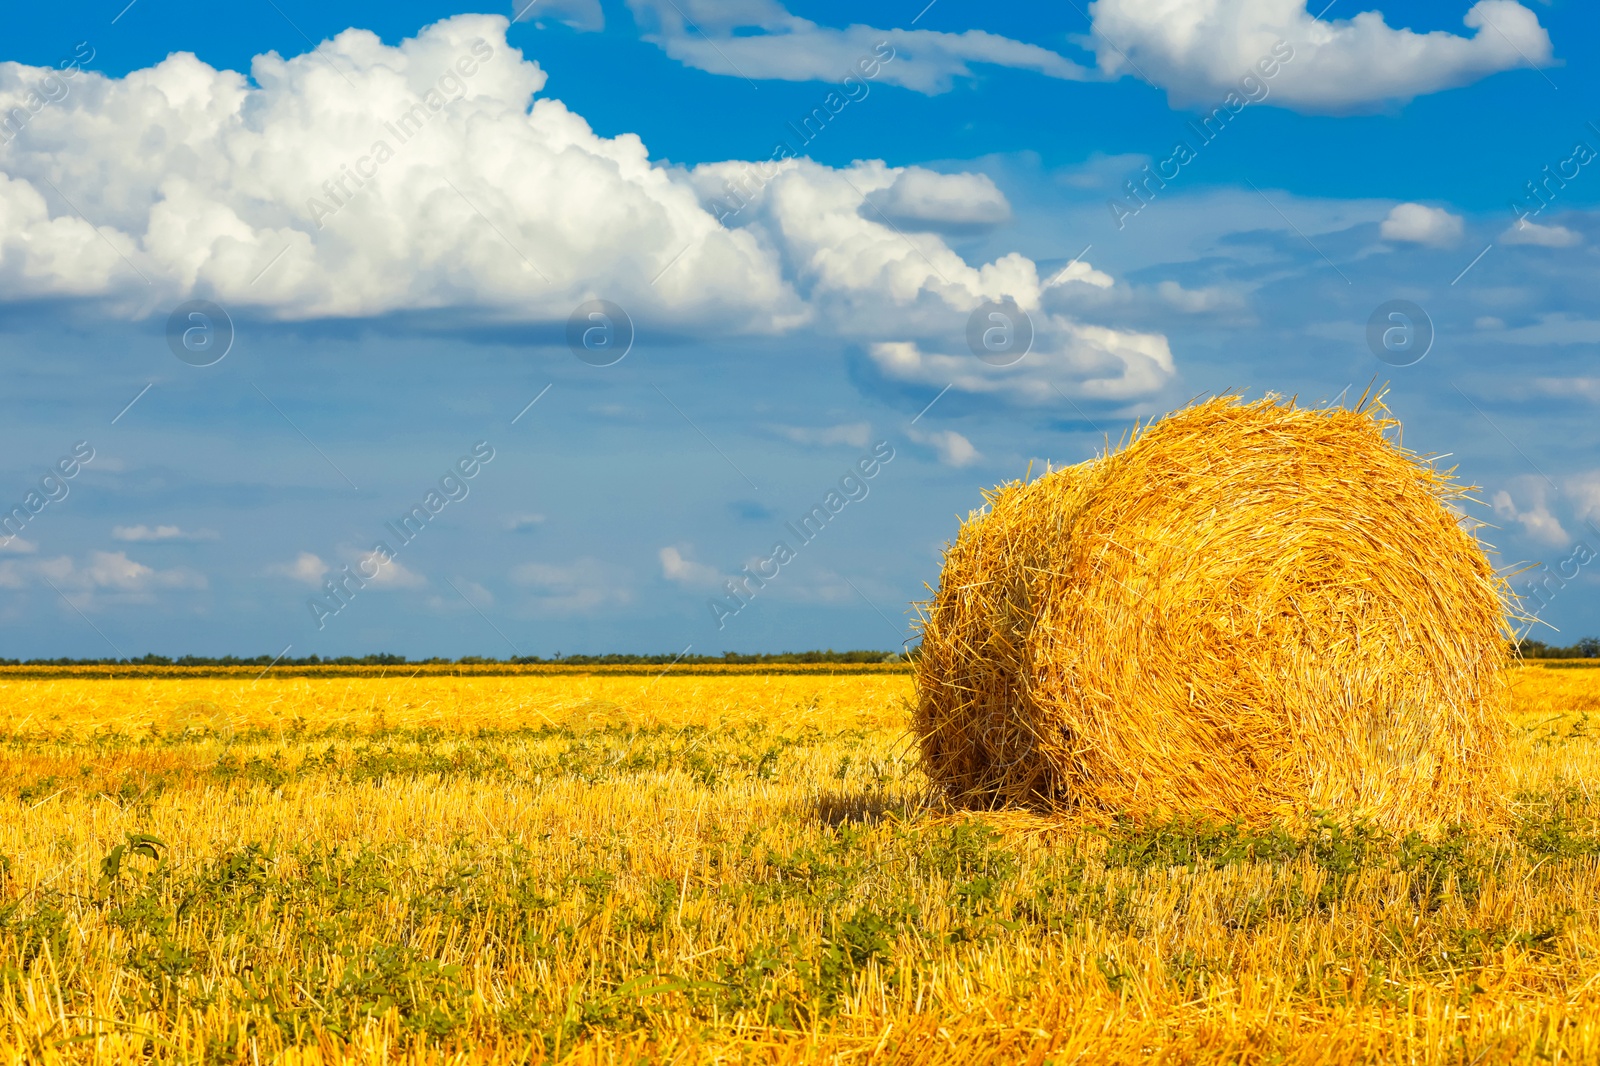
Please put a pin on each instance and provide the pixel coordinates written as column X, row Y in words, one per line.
column 1251, row 612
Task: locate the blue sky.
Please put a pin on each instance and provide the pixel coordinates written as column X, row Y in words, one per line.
column 789, row 315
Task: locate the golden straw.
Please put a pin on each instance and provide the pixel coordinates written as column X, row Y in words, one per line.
column 1251, row 611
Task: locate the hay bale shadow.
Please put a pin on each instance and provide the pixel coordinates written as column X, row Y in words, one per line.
column 860, row 807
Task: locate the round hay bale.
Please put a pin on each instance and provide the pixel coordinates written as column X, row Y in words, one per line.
column 1251, row 612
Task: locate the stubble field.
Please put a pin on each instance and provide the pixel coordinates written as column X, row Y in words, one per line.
column 738, row 867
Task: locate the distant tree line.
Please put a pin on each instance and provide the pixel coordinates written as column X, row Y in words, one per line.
column 828, row 656
column 1587, row 648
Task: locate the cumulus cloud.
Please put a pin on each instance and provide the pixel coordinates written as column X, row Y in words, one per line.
column 1523, row 232
column 311, row 570
column 869, row 280
column 431, row 176
column 142, row 533
column 307, row 569
column 474, row 593
column 18, row 546
column 582, row 586
column 1068, row 358
column 923, row 199
column 99, row 577
column 1584, row 489
column 1082, row 273
column 387, row 575
column 1421, row 224
column 678, row 568
column 1199, row 50
column 387, row 177
column 952, row 448
column 861, row 275
column 1536, row 519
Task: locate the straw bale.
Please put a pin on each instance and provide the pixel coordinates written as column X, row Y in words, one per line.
column 1250, row 611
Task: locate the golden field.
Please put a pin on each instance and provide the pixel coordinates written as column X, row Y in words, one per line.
column 729, row 867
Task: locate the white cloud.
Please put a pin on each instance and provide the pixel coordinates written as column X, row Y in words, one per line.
column 311, row 570
column 1080, row 272
column 217, row 173
column 140, row 533
column 1536, row 520
column 18, row 546
column 821, row 586
column 1567, row 388
column 451, row 601
column 387, row 575
column 1584, row 489
column 582, row 586
column 1068, row 357
column 861, row 275
column 676, row 567
column 855, row 434
column 308, row 569
column 524, row 523
column 1101, row 171
column 1199, row 50
column 1556, row 328
column 1420, row 224
column 953, row 449
column 475, row 593
column 583, row 15
column 507, row 205
column 100, row 576
column 924, row 199
column 723, row 39
column 1200, row 301
column 116, row 570
column 1523, row 232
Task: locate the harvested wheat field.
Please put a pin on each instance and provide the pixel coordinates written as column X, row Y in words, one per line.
column 737, row 868
column 1249, row 611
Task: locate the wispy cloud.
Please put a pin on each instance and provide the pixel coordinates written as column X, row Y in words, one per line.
column 855, row 434
column 524, row 523
column 143, row 534
column 583, row 586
